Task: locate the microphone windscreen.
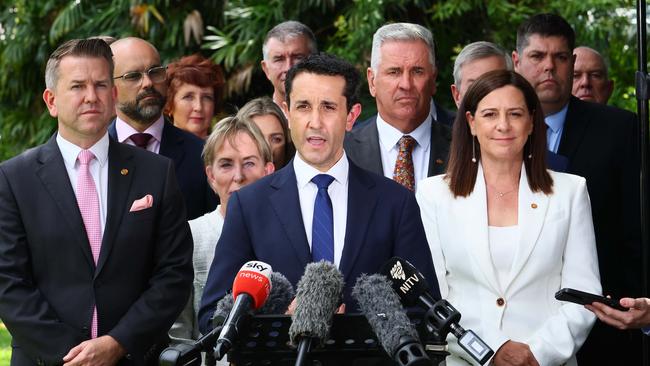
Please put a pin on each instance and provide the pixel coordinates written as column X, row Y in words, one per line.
column 253, row 279
column 383, row 309
column 281, row 295
column 224, row 306
column 405, row 279
column 318, row 295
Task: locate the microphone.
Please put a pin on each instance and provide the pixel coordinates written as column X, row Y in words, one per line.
column 383, row 309
column 280, row 297
column 318, row 295
column 250, row 290
column 441, row 317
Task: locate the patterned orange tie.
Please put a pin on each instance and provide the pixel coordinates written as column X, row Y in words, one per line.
column 404, row 173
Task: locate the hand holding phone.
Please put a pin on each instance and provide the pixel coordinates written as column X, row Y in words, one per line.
column 585, row 298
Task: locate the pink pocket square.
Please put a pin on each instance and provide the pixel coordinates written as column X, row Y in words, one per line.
column 142, row 203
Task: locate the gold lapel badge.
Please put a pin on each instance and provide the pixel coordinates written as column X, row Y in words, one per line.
column 533, row 205
column 124, row 171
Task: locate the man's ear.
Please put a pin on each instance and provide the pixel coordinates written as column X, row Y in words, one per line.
column 371, row 81
column 50, row 101
column 515, row 60
column 353, row 114
column 269, row 168
column 455, row 93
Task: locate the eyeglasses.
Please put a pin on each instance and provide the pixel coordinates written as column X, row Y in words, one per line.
column 156, row 75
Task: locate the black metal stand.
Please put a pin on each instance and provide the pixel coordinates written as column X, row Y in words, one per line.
column 642, row 88
column 351, row 342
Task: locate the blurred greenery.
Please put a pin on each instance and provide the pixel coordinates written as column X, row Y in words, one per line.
column 5, row 345
column 231, row 33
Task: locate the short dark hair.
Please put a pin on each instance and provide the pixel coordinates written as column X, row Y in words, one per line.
column 329, row 65
column 461, row 171
column 545, row 25
column 90, row 47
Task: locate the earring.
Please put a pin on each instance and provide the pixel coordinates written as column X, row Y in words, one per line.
column 530, row 149
column 473, row 150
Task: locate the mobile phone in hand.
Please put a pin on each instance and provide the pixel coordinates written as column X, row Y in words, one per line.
column 585, row 298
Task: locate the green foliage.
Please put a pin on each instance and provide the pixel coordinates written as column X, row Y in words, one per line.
column 233, row 32
column 5, row 345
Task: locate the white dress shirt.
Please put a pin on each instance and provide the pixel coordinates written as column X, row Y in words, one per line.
column 124, row 132
column 98, row 169
column 389, row 137
column 338, row 192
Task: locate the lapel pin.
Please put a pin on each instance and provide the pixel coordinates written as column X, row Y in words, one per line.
column 439, row 161
column 533, row 205
column 124, row 171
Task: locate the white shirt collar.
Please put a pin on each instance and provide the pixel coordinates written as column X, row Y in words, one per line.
column 389, row 136
column 305, row 172
column 70, row 151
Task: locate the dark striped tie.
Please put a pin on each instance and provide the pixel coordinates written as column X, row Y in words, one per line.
column 322, row 238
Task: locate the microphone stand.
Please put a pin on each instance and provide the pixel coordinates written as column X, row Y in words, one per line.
column 303, row 350
column 190, row 354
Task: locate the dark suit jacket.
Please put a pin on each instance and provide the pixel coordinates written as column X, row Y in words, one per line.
column 48, row 278
column 444, row 116
column 362, row 147
column 185, row 150
column 264, row 222
column 601, row 144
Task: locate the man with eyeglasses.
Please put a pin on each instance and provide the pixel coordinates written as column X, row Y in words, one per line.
column 141, row 82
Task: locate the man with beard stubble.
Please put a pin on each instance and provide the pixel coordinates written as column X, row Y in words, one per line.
column 141, row 83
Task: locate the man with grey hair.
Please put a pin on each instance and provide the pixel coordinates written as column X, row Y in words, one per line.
column 402, row 142
column 285, row 45
column 141, row 83
column 95, row 251
column 590, row 77
column 474, row 60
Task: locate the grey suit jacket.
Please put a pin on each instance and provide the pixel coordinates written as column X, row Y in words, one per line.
column 362, row 147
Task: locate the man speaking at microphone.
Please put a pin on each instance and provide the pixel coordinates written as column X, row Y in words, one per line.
column 320, row 206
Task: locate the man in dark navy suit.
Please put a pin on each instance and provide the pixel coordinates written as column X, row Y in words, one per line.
column 95, row 249
column 370, row 218
column 141, row 88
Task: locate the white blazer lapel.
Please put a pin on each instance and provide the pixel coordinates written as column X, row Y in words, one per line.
column 475, row 228
column 531, row 213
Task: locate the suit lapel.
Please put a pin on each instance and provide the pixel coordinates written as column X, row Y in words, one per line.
column 286, row 204
column 362, row 199
column 366, row 150
column 121, row 170
column 575, row 125
column 171, row 145
column 474, row 211
column 531, row 212
column 438, row 148
column 53, row 174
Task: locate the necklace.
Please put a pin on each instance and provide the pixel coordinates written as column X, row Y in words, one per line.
column 501, row 194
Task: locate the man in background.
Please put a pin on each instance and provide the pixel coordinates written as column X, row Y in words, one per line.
column 590, row 77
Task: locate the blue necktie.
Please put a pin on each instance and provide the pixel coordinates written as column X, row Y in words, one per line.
column 322, row 229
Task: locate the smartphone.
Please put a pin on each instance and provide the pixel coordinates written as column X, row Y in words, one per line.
column 585, row 298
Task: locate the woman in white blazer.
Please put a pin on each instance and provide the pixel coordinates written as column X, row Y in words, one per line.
column 506, row 234
column 235, row 154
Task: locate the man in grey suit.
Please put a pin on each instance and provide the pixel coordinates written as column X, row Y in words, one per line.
column 402, row 78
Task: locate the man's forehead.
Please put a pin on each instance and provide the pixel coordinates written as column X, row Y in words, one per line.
column 415, row 52
column 292, row 42
column 542, row 43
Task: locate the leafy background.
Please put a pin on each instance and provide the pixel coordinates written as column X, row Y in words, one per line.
column 231, row 33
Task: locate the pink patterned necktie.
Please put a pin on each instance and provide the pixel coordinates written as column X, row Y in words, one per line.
column 404, row 172
column 88, row 201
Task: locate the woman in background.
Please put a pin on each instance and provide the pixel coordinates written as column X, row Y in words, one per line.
column 235, row 155
column 273, row 124
column 506, row 234
column 194, row 91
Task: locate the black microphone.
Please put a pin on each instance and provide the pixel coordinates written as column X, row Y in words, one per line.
column 383, row 309
column 250, row 290
column 318, row 295
column 441, row 318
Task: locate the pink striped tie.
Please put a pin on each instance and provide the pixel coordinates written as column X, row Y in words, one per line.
column 88, row 202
